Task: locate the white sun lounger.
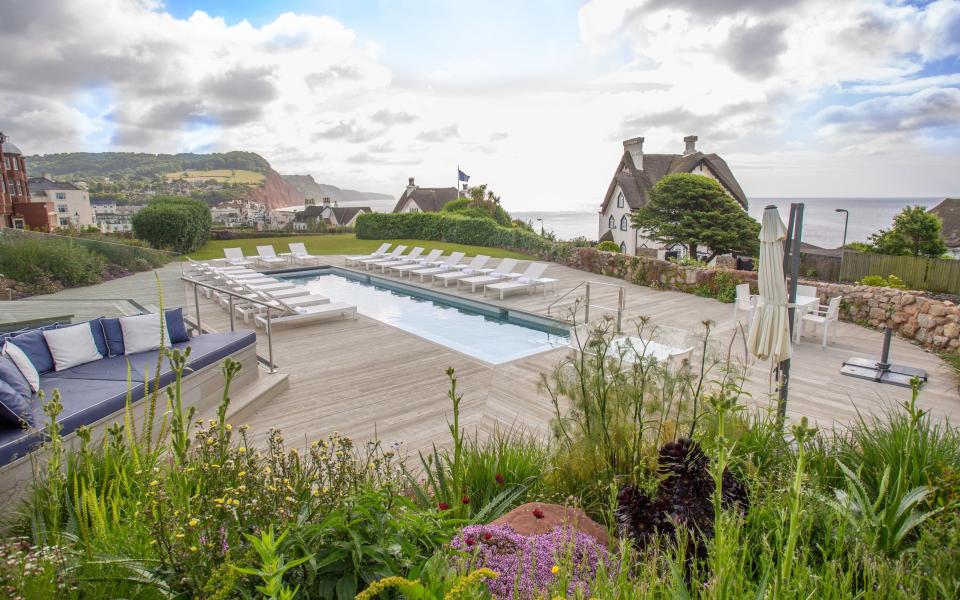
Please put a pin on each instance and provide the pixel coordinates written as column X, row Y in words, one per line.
column 392, row 255
column 470, row 270
column 298, row 253
column 235, row 257
column 503, row 269
column 378, row 253
column 448, row 264
column 301, row 297
column 420, row 263
column 266, row 255
column 404, row 259
column 303, row 315
column 528, row 281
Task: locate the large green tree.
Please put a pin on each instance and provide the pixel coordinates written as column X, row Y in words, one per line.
column 915, row 232
column 177, row 223
column 694, row 210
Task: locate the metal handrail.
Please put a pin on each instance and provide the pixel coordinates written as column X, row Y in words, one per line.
column 231, row 294
column 586, row 283
column 565, row 294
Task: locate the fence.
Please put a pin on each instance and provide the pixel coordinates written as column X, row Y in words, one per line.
column 934, row 275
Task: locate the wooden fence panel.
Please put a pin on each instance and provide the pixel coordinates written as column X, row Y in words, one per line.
column 935, row 275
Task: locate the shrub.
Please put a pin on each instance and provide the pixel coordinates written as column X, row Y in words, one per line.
column 455, row 228
column 608, row 246
column 721, row 286
column 483, row 209
column 34, row 260
column 877, row 281
column 172, row 222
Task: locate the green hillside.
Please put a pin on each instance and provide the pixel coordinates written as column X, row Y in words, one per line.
column 133, row 166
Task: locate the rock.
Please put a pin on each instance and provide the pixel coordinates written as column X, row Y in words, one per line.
column 939, row 340
column 925, row 321
column 523, row 521
column 951, row 330
column 908, row 330
column 938, row 310
column 878, row 313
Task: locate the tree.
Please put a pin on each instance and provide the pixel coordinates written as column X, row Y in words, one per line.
column 694, row 210
column 179, row 223
column 915, row 232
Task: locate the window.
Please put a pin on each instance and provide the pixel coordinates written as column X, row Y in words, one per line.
column 623, row 247
column 624, row 222
column 61, row 208
column 64, row 221
column 620, row 200
column 612, row 223
column 61, row 196
column 18, row 224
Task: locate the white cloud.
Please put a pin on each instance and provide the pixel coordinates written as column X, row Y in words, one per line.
column 314, row 97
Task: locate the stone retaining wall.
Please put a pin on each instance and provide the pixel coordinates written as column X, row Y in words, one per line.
column 927, row 321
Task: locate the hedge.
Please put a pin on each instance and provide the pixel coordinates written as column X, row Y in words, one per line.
column 173, row 222
column 457, row 229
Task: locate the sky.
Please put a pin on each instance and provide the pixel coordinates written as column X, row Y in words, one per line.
column 803, row 98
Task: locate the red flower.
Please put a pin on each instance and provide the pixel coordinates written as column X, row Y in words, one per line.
column 488, row 536
column 443, row 506
column 538, row 513
column 499, row 479
column 465, row 500
column 470, row 541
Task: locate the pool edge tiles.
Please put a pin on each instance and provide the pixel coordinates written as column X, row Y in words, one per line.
column 487, row 332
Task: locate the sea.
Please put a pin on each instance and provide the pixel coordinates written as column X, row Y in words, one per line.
column 822, row 225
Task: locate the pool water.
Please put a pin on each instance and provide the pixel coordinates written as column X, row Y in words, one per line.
column 483, row 331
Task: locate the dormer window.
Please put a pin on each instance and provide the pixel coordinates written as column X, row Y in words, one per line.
column 623, row 247
column 620, row 200
column 624, row 222
column 612, row 223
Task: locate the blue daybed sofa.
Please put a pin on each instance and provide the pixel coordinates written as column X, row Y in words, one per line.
column 95, row 390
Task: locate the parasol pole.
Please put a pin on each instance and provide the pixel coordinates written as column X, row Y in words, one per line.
column 791, row 259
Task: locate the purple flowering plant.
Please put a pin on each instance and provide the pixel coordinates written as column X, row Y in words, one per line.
column 528, row 565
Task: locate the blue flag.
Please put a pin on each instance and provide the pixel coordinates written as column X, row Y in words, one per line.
column 461, row 176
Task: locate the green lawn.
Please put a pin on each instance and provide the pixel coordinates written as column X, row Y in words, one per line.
column 341, row 243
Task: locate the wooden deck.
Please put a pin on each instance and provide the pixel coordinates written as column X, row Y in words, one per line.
column 365, row 378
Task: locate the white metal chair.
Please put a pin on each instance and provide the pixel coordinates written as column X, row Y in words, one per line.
column 744, row 301
column 824, row 315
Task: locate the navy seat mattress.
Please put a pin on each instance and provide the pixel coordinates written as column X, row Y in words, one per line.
column 95, row 390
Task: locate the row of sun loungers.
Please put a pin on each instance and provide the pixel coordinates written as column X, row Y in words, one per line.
column 267, row 256
column 475, row 274
column 288, row 303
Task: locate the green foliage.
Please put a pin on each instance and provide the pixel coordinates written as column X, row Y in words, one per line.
column 915, row 232
column 608, row 246
column 136, row 165
column 721, row 286
column 40, row 261
column 877, row 281
column 272, row 565
column 455, row 228
column 174, row 222
column 695, row 210
column 480, row 208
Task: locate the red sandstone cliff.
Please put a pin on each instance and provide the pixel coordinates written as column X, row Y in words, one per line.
column 276, row 192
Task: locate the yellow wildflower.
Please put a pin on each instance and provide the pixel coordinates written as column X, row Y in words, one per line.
column 228, row 427
column 241, row 473
column 193, row 548
column 218, row 500
column 179, row 536
column 384, row 584
column 555, row 569
column 242, row 449
column 465, row 583
column 194, row 522
column 154, row 483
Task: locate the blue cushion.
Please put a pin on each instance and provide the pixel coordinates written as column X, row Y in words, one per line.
column 114, row 336
column 99, row 338
column 11, row 375
column 95, row 390
column 35, row 347
column 15, row 410
column 175, row 326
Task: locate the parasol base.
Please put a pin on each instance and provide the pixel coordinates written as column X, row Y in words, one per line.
column 865, row 368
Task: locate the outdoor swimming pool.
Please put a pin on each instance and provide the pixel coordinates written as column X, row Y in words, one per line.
column 481, row 330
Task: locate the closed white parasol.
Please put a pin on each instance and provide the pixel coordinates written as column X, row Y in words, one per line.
column 770, row 330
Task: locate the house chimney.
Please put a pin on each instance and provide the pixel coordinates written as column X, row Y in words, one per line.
column 635, row 147
column 309, row 202
column 691, row 142
column 410, row 184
